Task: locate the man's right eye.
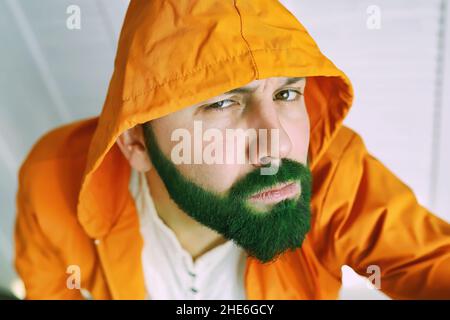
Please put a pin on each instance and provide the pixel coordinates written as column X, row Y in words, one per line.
column 221, row 105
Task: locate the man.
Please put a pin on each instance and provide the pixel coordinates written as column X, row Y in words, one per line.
column 161, row 198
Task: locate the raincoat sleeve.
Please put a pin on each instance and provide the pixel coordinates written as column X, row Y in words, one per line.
column 375, row 225
column 37, row 261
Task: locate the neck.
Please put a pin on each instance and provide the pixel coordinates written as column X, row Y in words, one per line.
column 194, row 237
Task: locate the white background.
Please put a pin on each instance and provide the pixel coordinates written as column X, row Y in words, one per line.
column 50, row 75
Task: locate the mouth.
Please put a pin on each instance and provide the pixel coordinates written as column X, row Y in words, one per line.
column 277, row 193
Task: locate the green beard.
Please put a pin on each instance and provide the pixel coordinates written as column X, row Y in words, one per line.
column 264, row 235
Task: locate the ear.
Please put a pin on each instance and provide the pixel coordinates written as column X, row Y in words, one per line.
column 132, row 145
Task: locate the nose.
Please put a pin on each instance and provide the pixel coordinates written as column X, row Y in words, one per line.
column 272, row 142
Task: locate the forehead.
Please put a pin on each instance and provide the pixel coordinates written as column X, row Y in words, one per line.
column 273, row 80
column 269, row 82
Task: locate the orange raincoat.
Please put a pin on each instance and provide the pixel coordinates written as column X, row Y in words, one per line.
column 74, row 206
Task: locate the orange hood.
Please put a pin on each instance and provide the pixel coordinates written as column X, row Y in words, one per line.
column 172, row 54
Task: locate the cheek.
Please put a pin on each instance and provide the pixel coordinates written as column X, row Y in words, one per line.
column 215, row 177
column 218, row 177
column 170, row 126
column 299, row 132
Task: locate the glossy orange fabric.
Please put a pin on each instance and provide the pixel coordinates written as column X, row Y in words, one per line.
column 73, row 203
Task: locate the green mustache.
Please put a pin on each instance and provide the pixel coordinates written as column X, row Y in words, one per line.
column 254, row 182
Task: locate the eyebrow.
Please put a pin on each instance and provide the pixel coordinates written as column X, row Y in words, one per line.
column 248, row 90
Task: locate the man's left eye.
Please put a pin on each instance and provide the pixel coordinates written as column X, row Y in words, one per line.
column 287, row 95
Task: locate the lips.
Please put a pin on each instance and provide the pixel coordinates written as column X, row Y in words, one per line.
column 277, row 194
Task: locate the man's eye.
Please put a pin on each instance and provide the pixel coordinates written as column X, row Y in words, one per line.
column 287, row 95
column 221, row 105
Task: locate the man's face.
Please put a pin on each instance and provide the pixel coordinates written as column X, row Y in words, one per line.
column 264, row 211
column 269, row 104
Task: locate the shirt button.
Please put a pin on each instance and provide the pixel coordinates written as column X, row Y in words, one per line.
column 97, row 242
column 194, row 290
column 191, row 274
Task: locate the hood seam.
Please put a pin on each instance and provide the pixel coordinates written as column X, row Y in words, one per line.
column 255, row 67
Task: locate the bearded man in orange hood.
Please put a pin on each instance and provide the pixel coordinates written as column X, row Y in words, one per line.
column 219, row 168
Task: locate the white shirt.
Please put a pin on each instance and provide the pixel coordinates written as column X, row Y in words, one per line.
column 169, row 270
